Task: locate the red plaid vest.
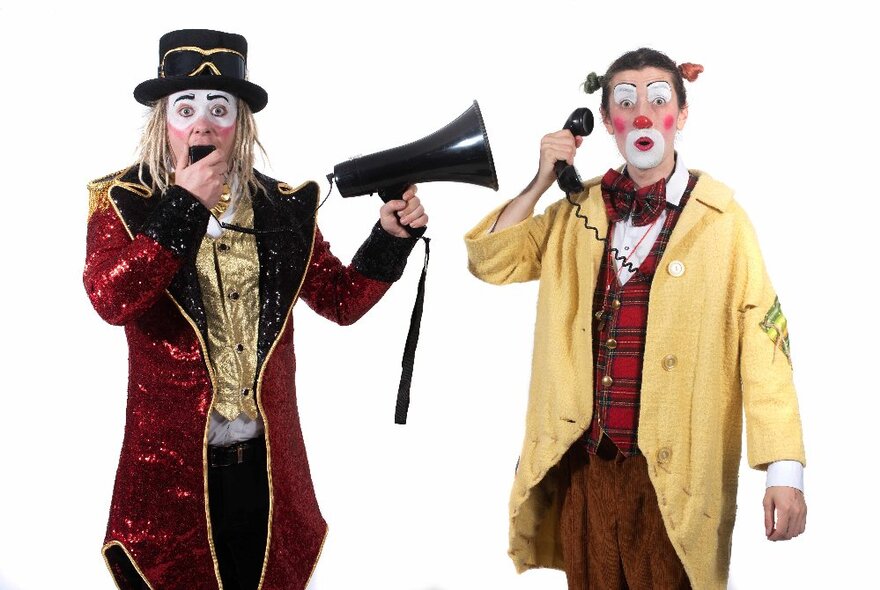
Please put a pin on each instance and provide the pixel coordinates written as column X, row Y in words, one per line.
column 621, row 320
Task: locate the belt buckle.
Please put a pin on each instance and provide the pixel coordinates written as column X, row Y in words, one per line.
column 217, row 459
column 239, row 454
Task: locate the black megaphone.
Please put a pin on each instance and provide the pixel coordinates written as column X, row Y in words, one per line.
column 459, row 152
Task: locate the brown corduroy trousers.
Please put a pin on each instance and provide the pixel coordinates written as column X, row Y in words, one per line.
column 613, row 537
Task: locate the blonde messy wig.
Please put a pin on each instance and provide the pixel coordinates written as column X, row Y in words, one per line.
column 155, row 150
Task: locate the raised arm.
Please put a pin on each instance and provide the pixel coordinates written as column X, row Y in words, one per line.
column 560, row 145
column 507, row 245
column 124, row 275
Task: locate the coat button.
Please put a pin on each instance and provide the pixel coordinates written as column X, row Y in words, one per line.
column 676, row 268
column 234, row 295
column 239, row 347
column 611, row 344
column 669, row 362
column 607, row 381
column 664, row 455
column 223, row 247
column 615, row 304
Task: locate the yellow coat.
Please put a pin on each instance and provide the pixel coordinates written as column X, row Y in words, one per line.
column 714, row 347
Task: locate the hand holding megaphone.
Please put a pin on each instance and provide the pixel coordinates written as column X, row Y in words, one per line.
column 401, row 217
column 459, row 152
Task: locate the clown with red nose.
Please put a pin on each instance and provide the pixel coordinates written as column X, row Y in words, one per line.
column 657, row 329
column 643, row 118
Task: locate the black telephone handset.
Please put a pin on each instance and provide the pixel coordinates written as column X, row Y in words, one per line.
column 197, row 152
column 580, row 122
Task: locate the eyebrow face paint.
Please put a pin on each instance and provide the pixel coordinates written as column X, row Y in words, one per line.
column 643, row 115
column 659, row 93
column 201, row 117
column 625, row 95
column 189, row 106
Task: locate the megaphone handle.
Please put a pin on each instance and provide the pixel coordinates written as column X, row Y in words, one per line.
column 393, row 193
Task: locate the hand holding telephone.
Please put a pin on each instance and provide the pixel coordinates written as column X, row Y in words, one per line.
column 196, row 153
column 580, row 122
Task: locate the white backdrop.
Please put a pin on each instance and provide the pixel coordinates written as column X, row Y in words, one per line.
column 786, row 107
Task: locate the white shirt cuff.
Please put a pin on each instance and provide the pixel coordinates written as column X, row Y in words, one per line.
column 786, row 473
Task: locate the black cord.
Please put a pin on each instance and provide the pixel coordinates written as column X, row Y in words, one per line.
column 624, row 262
column 257, row 232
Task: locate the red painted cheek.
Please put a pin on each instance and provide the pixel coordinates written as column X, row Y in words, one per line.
column 225, row 132
column 619, row 124
column 668, row 122
column 179, row 133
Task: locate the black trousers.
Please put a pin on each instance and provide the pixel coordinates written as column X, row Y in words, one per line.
column 239, row 505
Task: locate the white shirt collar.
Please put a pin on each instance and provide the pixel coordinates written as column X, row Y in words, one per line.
column 678, row 182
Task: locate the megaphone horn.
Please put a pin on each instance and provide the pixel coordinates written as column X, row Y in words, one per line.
column 459, row 152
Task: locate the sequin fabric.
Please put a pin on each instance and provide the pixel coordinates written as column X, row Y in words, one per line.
column 98, row 192
column 383, row 256
column 124, row 277
column 178, row 222
column 284, row 248
column 342, row 294
column 228, row 274
column 158, row 509
column 159, row 477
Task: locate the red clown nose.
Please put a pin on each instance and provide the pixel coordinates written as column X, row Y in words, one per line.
column 642, row 122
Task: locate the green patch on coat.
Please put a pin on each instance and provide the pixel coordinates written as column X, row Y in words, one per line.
column 776, row 327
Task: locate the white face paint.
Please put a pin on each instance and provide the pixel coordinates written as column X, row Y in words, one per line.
column 645, row 159
column 625, row 95
column 643, row 115
column 213, row 107
column 659, row 93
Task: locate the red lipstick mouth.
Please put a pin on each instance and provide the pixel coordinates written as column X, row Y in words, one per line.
column 644, row 143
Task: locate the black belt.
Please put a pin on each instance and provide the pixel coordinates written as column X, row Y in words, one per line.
column 238, row 453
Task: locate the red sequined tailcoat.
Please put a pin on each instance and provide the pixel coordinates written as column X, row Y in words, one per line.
column 140, row 273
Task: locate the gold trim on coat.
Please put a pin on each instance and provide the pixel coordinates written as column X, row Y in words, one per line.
column 258, row 391
column 137, row 188
column 130, row 558
column 212, row 378
column 99, row 191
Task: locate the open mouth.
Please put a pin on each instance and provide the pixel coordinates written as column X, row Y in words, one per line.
column 644, row 143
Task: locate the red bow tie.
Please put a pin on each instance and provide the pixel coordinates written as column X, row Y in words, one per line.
column 623, row 200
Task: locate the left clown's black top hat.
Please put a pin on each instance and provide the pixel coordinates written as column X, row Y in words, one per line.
column 202, row 59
